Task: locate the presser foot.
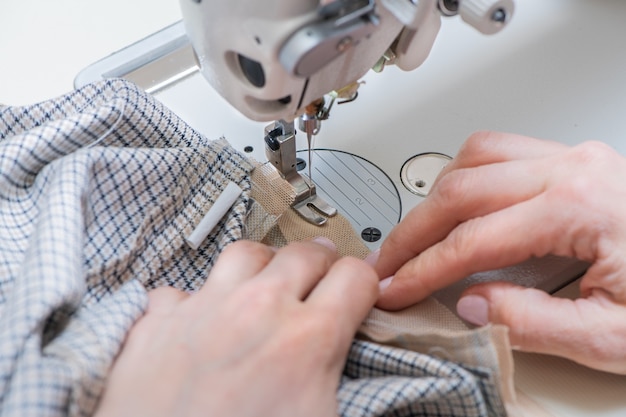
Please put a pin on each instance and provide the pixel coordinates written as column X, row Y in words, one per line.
column 311, row 206
column 280, row 149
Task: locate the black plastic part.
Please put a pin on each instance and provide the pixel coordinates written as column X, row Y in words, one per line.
column 271, row 140
column 252, row 70
column 285, row 100
column 300, row 164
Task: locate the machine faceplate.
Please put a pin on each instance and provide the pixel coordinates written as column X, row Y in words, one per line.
column 359, row 190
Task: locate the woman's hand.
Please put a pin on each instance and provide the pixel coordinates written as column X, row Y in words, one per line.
column 267, row 335
column 507, row 198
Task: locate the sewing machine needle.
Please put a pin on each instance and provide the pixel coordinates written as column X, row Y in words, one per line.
column 309, row 139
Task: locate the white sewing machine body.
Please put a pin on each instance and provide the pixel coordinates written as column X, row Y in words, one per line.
column 280, row 60
column 271, row 59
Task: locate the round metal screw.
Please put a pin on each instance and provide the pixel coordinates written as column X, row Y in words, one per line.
column 371, row 234
column 420, row 183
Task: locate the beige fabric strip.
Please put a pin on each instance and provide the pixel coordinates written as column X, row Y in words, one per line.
column 275, row 196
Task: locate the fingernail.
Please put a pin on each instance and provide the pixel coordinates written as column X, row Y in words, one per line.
column 474, row 309
column 383, row 284
column 320, row 240
column 372, row 257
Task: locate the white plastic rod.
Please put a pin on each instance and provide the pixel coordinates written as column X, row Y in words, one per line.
column 223, row 203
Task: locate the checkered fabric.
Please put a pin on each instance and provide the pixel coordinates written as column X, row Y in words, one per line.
column 387, row 381
column 97, row 191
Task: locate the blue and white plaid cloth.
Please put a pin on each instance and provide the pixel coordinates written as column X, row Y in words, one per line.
column 97, row 190
column 382, row 380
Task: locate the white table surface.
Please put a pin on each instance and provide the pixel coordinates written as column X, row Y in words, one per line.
column 45, row 44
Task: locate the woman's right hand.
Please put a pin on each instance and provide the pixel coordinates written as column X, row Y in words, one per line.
column 504, row 199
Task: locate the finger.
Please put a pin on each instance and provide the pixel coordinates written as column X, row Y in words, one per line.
column 494, row 241
column 462, row 195
column 298, row 267
column 491, row 171
column 238, row 263
column 590, row 331
column 348, row 292
column 488, row 147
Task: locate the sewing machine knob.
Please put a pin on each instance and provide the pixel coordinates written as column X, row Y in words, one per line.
column 486, row 16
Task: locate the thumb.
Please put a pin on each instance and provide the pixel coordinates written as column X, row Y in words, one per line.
column 582, row 330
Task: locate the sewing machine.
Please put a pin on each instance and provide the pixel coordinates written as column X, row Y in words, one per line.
column 278, row 61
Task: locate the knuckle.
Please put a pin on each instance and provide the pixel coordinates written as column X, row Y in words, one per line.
column 242, row 245
column 305, row 255
column 395, row 240
column 461, row 241
column 590, row 153
column 419, row 288
column 580, row 188
column 358, row 269
column 479, row 142
column 585, row 163
column 245, row 249
column 594, row 148
column 453, row 188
